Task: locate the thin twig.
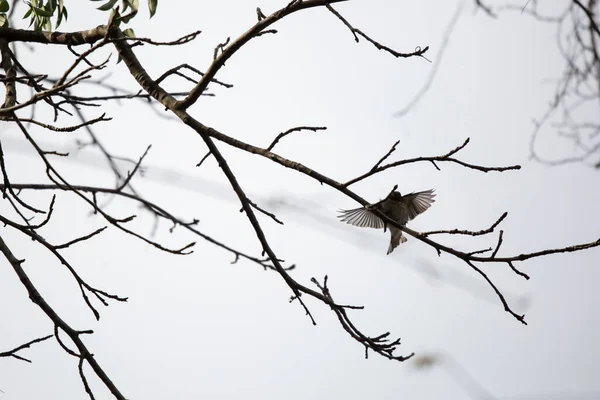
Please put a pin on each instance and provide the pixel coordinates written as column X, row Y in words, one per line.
column 389, row 153
column 419, row 52
column 296, row 129
column 466, row 232
column 12, row 353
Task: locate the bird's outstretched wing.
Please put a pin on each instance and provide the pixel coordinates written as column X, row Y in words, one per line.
column 361, row 217
column 418, row 202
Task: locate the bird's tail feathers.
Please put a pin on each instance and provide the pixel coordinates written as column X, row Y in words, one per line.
column 396, row 239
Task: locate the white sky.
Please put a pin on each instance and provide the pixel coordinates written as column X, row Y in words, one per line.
column 196, row 326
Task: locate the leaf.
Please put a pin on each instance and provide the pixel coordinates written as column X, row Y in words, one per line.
column 4, row 6
column 126, row 18
column 113, row 19
column 129, row 33
column 152, row 4
column 133, row 4
column 40, row 12
column 60, row 17
column 50, row 7
column 108, row 5
column 3, row 20
column 28, row 13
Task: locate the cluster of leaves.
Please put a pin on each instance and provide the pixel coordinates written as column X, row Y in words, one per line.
column 41, row 14
column 132, row 5
column 4, row 7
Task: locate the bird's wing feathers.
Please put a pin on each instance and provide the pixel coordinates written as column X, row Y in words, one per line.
column 418, row 202
column 414, row 204
column 361, row 217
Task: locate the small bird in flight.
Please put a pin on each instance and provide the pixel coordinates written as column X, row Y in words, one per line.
column 397, row 207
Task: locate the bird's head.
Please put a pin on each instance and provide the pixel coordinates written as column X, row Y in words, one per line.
column 395, row 195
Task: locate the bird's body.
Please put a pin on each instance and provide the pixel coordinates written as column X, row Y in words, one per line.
column 397, row 207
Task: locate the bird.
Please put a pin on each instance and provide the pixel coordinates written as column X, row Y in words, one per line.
column 397, row 207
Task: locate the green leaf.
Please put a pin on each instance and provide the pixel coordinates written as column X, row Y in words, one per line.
column 3, row 20
column 4, row 6
column 108, row 5
column 133, row 4
column 126, row 18
column 28, row 13
column 152, row 4
column 113, row 19
column 59, row 19
column 129, row 33
column 40, row 12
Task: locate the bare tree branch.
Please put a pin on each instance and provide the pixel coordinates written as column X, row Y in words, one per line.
column 419, row 52
column 296, row 129
column 433, row 160
column 13, row 352
column 74, row 335
column 465, row 232
column 254, row 31
column 60, row 94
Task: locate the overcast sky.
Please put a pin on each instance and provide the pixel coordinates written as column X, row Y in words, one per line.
column 198, row 327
